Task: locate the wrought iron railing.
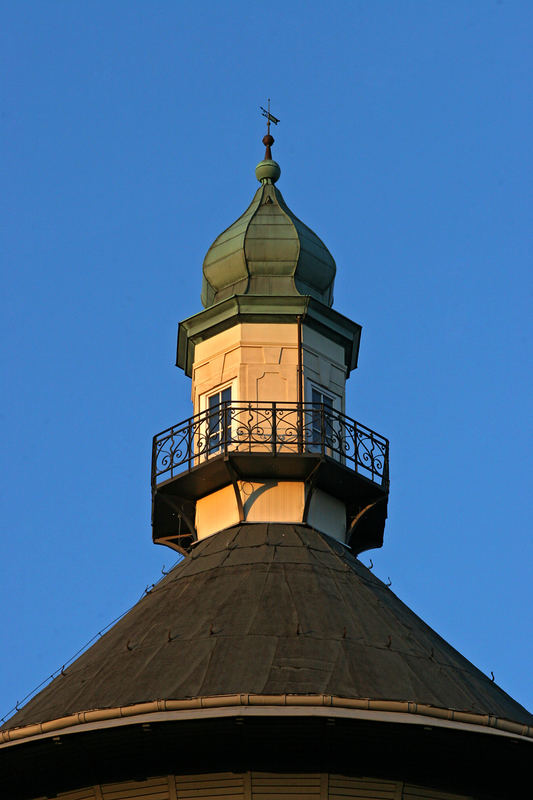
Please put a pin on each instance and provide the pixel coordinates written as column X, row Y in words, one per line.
column 274, row 428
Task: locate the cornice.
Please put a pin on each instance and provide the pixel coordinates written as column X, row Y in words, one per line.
column 267, row 309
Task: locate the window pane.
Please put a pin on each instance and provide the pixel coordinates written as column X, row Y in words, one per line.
column 218, row 418
column 213, row 422
column 225, row 395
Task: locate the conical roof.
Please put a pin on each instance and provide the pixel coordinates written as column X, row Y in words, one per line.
column 268, row 251
column 271, row 609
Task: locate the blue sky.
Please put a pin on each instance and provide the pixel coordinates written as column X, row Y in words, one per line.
column 130, row 133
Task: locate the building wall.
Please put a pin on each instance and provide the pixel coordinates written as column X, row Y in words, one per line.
column 258, row 786
column 270, row 501
column 260, row 362
column 323, row 363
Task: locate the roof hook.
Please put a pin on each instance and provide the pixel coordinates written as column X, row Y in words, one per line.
column 371, row 564
column 389, row 583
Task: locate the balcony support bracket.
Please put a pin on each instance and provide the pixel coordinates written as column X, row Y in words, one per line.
column 310, row 486
column 180, row 509
column 234, row 477
column 367, row 526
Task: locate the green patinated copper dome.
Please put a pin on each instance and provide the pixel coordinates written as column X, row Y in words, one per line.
column 268, row 251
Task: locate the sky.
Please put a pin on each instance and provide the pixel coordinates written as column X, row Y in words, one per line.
column 130, row 133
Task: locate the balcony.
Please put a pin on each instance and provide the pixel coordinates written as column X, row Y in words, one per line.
column 273, row 429
column 237, row 441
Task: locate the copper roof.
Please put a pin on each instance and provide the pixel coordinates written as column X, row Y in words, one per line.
column 270, row 609
column 268, row 251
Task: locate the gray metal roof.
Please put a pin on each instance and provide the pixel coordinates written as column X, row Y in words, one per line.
column 270, row 609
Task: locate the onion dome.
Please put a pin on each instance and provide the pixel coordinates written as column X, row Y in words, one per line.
column 268, row 250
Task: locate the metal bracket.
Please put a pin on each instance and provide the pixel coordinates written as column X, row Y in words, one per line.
column 360, row 514
column 310, row 483
column 170, row 500
column 234, row 476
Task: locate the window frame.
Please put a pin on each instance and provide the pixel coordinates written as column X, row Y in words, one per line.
column 314, row 425
column 214, row 421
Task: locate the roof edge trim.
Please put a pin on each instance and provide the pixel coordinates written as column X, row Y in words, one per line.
column 371, row 707
column 266, row 308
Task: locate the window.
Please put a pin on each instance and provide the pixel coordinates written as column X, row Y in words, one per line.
column 323, row 424
column 218, row 419
column 320, row 418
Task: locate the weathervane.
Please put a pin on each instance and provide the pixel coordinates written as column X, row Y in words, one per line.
column 269, row 117
column 268, row 140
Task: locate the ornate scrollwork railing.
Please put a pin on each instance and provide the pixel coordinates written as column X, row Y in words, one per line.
column 274, row 428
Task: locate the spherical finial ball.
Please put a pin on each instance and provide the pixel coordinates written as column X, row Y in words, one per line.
column 268, row 140
column 267, row 171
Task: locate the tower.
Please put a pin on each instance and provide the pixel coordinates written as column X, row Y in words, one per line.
column 269, row 661
column 269, row 359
